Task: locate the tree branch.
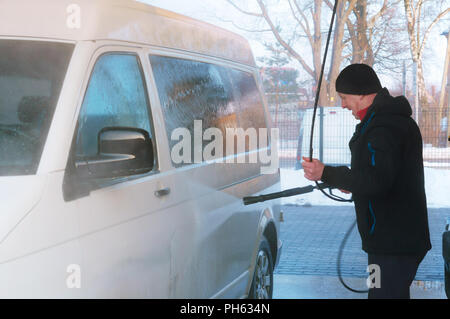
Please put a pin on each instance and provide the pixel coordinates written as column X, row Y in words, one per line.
column 383, row 9
column 283, row 43
column 349, row 9
column 411, row 27
column 436, row 20
column 329, row 4
column 259, row 15
column 305, row 28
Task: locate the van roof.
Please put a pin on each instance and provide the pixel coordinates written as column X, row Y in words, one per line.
column 122, row 20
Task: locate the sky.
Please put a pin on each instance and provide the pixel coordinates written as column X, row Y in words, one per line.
column 220, row 13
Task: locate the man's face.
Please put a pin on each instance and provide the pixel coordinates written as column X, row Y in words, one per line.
column 351, row 102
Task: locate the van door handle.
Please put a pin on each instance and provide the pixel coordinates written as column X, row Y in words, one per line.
column 162, row 192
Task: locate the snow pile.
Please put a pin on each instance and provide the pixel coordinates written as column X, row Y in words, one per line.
column 293, row 178
column 437, row 187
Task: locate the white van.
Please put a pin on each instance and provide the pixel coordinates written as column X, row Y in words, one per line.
column 92, row 204
column 331, row 135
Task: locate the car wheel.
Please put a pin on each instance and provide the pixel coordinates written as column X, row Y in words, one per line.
column 262, row 283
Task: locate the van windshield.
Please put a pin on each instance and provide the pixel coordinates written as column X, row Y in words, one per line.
column 31, row 76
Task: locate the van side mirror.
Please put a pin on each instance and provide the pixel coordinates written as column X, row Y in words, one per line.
column 122, row 151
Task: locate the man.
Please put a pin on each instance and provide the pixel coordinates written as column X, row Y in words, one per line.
column 386, row 179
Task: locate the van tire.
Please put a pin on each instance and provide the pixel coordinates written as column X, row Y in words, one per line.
column 262, row 282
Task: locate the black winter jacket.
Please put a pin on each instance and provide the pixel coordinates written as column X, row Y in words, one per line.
column 386, row 179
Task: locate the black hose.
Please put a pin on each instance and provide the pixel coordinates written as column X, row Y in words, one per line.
column 339, row 257
column 331, row 196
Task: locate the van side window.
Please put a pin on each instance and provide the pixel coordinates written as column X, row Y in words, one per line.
column 251, row 111
column 116, row 96
column 219, row 96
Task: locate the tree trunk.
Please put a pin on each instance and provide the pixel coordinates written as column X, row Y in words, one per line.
column 445, row 83
column 336, row 58
column 317, row 53
column 362, row 50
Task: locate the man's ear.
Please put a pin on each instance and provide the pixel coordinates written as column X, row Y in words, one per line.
column 368, row 99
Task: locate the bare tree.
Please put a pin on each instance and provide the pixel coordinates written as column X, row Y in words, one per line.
column 308, row 15
column 365, row 35
column 369, row 38
column 418, row 36
column 358, row 37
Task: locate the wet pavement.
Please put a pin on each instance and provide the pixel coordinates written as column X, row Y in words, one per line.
column 329, row 287
column 311, row 238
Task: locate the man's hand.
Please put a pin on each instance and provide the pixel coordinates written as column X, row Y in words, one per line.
column 313, row 170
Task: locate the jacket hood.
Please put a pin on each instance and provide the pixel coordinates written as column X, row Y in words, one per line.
column 385, row 103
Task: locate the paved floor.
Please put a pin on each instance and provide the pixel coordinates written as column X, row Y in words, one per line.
column 311, row 238
column 329, row 287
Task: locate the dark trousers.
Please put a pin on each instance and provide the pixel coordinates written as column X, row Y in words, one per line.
column 396, row 275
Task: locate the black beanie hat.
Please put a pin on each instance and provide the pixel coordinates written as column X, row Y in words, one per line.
column 358, row 79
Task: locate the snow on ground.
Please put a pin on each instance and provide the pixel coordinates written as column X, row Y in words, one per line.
column 437, row 187
column 292, row 178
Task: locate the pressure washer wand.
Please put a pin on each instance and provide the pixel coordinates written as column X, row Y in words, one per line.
column 289, row 192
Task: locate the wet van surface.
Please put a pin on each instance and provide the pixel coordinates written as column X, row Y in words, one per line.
column 115, row 175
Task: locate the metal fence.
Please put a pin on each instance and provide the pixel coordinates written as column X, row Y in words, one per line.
column 333, row 130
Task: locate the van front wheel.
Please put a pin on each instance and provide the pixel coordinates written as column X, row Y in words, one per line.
column 262, row 283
